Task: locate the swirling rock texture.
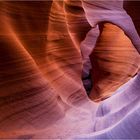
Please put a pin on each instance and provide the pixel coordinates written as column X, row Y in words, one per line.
column 53, row 55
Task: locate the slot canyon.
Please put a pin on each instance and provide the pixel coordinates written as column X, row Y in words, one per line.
column 69, row 69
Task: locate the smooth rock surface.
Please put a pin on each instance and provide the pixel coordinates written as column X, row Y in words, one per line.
column 44, row 58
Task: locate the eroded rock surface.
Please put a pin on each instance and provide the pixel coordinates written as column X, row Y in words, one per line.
column 44, row 61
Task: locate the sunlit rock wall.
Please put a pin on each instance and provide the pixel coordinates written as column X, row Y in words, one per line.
column 55, row 57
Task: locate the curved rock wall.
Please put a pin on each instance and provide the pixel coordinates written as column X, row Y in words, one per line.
column 49, row 52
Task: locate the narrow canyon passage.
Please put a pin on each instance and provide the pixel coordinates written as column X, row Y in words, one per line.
column 69, row 69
